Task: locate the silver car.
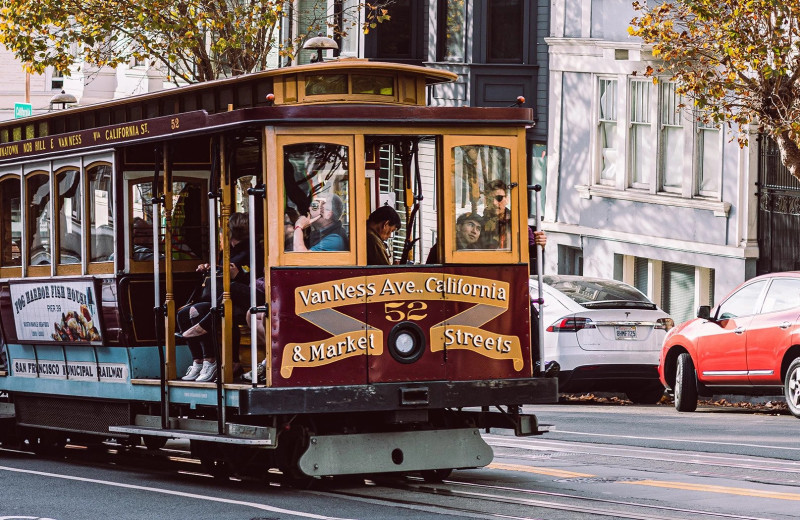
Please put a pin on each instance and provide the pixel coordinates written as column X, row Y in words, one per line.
column 603, row 334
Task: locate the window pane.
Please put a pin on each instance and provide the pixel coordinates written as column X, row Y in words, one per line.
column 317, row 184
column 641, row 153
column 608, row 100
column 142, row 222
column 710, row 160
column 672, row 156
column 394, row 35
column 378, row 85
column 742, row 302
column 101, row 213
column 68, row 184
column 189, row 234
column 38, row 190
column 783, row 294
column 320, row 84
column 11, row 223
column 608, row 151
column 505, row 30
column 483, row 217
column 452, row 21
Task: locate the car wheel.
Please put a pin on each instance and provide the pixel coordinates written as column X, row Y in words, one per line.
column 791, row 387
column 685, row 385
column 646, row 394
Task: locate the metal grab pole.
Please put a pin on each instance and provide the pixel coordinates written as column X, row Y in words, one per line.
column 539, row 265
column 158, row 312
column 253, row 303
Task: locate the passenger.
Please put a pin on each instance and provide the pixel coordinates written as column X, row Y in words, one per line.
column 468, row 236
column 289, row 219
column 194, row 320
column 142, row 239
column 381, row 223
column 496, row 217
column 331, row 236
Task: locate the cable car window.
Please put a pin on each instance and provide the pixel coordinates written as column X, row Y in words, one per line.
column 483, row 216
column 378, row 85
column 188, row 235
column 316, row 180
column 321, row 84
column 38, row 189
column 189, row 231
column 10, row 223
column 68, row 184
column 101, row 213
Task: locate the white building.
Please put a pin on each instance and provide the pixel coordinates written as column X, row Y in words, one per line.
column 87, row 84
column 637, row 190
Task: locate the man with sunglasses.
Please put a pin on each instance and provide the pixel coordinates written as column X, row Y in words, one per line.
column 497, row 221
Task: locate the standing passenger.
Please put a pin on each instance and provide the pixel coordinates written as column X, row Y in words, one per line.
column 380, row 225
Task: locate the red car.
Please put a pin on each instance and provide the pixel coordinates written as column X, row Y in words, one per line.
column 749, row 344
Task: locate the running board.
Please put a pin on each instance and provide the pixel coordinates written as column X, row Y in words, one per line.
column 199, row 430
column 395, row 452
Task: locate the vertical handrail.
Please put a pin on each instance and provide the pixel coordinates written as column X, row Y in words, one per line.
column 158, row 312
column 537, row 188
column 260, row 190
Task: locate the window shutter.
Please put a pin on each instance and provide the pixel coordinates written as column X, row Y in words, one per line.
column 678, row 296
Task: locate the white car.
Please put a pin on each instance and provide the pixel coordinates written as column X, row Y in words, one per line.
column 603, row 334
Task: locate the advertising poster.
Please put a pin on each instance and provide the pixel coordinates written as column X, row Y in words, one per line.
column 63, row 311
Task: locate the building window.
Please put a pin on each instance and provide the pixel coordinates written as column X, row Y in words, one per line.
column 709, row 159
column 505, row 31
column 672, row 138
column 607, row 130
column 57, row 80
column 570, row 260
column 451, row 30
column 394, row 35
column 642, row 148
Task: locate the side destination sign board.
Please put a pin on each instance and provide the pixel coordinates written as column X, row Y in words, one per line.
column 106, row 135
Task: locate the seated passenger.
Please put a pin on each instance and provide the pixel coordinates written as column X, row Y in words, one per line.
column 380, row 225
column 194, row 320
column 468, row 236
column 330, row 235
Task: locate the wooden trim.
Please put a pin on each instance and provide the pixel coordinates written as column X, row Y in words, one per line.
column 38, row 271
column 101, row 267
column 11, row 272
column 69, row 270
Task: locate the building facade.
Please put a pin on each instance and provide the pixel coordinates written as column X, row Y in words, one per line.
column 637, row 189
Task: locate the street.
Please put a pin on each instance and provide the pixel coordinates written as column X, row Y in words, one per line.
column 610, row 460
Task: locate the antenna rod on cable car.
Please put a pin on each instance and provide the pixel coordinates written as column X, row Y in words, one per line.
column 537, row 188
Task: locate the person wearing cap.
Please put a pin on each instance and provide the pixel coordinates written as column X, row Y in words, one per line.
column 331, row 236
column 468, row 235
column 381, row 223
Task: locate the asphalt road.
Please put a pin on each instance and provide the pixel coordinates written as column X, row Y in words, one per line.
column 600, row 461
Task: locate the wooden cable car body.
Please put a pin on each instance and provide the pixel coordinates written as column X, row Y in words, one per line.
column 369, row 369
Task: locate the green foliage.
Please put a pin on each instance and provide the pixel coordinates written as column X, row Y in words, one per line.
column 739, row 60
column 195, row 40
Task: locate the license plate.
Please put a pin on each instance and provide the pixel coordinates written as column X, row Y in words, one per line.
column 625, row 331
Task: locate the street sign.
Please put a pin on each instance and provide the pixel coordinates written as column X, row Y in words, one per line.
column 22, row 110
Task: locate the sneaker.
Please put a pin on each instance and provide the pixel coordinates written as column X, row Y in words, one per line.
column 193, row 371
column 208, row 373
column 261, row 373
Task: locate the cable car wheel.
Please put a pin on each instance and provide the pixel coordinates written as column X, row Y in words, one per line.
column 292, row 443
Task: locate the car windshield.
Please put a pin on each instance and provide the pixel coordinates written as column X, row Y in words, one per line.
column 596, row 293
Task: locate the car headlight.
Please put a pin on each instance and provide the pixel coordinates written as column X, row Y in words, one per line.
column 406, row 342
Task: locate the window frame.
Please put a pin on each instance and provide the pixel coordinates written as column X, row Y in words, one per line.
column 670, row 117
column 44, row 269
column 517, row 198
column 356, row 185
column 598, row 154
column 105, row 266
column 15, row 271
column 698, row 161
column 635, row 121
column 76, row 268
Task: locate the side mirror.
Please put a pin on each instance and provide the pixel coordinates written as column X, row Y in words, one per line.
column 704, row 312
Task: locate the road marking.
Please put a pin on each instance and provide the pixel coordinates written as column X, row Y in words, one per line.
column 693, row 441
column 254, row 505
column 541, row 471
column 717, row 489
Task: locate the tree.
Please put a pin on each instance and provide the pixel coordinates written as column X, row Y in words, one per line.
column 739, row 60
column 194, row 40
